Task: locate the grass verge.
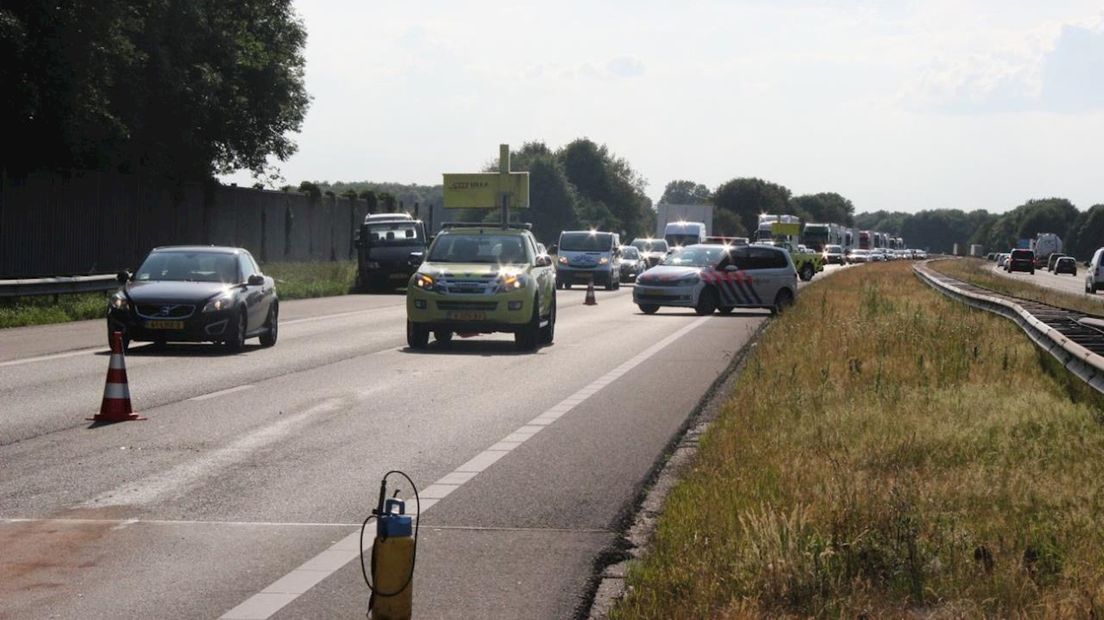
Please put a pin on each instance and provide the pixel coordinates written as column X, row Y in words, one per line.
column 980, row 272
column 293, row 281
column 887, row 452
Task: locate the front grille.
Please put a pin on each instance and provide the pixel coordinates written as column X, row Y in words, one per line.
column 488, row 306
column 473, row 285
column 651, row 282
column 158, row 311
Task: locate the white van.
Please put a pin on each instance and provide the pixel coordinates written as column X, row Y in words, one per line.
column 1094, row 275
column 684, row 233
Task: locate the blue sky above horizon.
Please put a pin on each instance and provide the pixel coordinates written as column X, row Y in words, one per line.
column 896, row 105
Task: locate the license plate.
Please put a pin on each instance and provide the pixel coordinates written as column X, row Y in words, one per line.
column 164, row 324
column 467, row 315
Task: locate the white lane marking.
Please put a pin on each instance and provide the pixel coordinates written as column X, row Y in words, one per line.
column 79, row 352
column 158, row 485
column 293, row 585
column 55, row 356
column 240, row 388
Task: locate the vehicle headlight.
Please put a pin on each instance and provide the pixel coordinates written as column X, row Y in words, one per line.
column 222, row 302
column 562, row 260
column 511, row 282
column 119, row 301
column 423, row 281
column 603, row 261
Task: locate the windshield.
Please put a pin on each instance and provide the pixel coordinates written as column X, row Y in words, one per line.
column 488, row 248
column 585, row 242
column 629, row 253
column 833, row 248
column 392, row 233
column 696, row 256
column 190, row 267
column 683, row 239
column 650, row 245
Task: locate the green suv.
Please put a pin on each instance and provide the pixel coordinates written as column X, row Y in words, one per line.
column 481, row 279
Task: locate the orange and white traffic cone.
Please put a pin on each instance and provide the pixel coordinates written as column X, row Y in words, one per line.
column 590, row 301
column 116, row 399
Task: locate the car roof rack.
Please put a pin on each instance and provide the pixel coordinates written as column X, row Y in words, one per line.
column 519, row 226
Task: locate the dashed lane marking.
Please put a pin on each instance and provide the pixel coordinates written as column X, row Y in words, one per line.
column 300, row 580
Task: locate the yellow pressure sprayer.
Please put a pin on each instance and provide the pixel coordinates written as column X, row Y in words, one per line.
column 393, row 555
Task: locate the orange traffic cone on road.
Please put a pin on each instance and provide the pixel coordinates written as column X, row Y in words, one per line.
column 116, row 399
column 590, row 301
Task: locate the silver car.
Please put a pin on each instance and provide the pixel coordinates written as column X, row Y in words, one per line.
column 709, row 277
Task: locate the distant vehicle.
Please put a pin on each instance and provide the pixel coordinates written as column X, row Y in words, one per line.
column 651, row 250
column 1053, row 258
column 859, row 256
column 390, row 246
column 1002, row 259
column 1045, row 244
column 833, row 255
column 1094, row 275
column 1066, row 264
column 586, row 255
column 727, row 240
column 196, row 294
column 684, row 233
column 877, row 255
column 632, row 265
column 1021, row 260
column 719, row 277
column 992, row 256
column 920, row 255
column 479, row 279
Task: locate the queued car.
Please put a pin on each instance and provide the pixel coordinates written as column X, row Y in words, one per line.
column 585, row 256
column 1053, row 258
column 479, row 279
column 196, row 294
column 1065, row 264
column 653, row 251
column 1021, row 260
column 1094, row 274
column 632, row 265
column 859, row 256
column 833, row 254
column 1002, row 259
column 920, row 254
column 710, row 277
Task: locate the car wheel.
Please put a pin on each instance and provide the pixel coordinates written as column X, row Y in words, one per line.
column 236, row 341
column 549, row 331
column 417, row 335
column 1032, row 272
column 726, row 309
column 610, row 282
column 528, row 337
column 444, row 336
column 648, row 308
column 807, row 272
column 268, row 338
column 782, row 300
column 707, row 302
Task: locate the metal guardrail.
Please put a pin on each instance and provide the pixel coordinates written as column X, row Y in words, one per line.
column 1077, row 342
column 58, row 285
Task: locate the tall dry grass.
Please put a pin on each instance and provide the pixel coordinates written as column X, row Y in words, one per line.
column 886, row 452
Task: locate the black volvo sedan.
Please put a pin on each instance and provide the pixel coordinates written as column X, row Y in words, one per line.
column 196, row 294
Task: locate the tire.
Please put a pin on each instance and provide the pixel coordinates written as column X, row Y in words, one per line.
column 528, row 337
column 236, row 341
column 782, row 300
column 610, row 282
column 726, row 309
column 268, row 338
column 648, row 308
column 707, row 302
column 548, row 332
column 444, row 336
column 417, row 336
column 807, row 272
column 1032, row 272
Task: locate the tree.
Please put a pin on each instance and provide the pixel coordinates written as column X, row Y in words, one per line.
column 605, row 182
column 181, row 88
column 746, row 198
column 685, row 193
column 727, row 224
column 387, row 202
column 1086, row 234
column 826, row 207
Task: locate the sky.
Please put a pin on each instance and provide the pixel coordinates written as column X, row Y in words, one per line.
column 901, row 106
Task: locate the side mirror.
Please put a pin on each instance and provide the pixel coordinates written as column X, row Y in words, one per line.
column 124, row 275
column 417, row 257
column 553, row 249
column 544, row 260
column 256, row 280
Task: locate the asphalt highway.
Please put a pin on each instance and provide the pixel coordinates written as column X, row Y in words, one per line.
column 1074, row 285
column 241, row 494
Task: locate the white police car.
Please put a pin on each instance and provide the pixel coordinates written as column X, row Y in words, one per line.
column 709, row 277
